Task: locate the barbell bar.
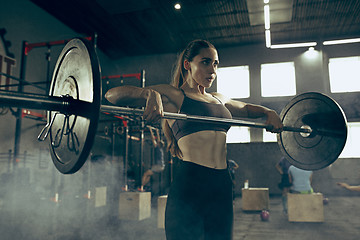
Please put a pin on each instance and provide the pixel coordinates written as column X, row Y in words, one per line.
column 305, row 129
column 75, row 93
column 69, row 106
column 204, row 119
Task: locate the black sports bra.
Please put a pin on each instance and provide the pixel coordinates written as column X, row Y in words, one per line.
column 194, row 107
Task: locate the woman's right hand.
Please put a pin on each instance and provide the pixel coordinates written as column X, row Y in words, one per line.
column 154, row 108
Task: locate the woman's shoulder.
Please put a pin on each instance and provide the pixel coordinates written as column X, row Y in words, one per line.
column 172, row 96
column 166, row 89
column 220, row 96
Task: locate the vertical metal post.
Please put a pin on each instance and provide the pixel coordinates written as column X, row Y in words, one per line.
column 142, row 138
column 48, row 74
column 126, row 155
column 9, row 161
column 19, row 110
column 24, row 160
column 142, row 135
column 142, row 84
column 113, row 142
column 171, row 168
column 89, row 189
column 94, row 39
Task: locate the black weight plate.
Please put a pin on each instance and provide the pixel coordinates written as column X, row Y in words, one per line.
column 328, row 122
column 77, row 73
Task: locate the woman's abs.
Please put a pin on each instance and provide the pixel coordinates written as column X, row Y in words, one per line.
column 206, row 148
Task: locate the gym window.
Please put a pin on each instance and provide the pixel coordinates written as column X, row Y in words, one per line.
column 351, row 149
column 278, row 79
column 269, row 136
column 234, row 82
column 238, row 135
column 344, row 74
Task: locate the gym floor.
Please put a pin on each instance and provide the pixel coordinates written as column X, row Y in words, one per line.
column 341, row 214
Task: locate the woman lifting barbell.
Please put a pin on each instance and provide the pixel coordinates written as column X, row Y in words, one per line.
column 199, row 204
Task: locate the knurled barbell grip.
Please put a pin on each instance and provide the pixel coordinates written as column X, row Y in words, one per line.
column 139, row 112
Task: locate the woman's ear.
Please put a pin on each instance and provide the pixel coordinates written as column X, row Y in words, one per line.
column 186, row 64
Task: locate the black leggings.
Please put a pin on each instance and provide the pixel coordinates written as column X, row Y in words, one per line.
column 199, row 204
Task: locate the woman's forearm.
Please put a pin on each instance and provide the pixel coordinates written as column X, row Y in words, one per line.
column 256, row 111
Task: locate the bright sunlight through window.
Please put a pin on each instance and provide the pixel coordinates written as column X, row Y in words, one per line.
column 238, row 135
column 233, row 82
column 278, row 79
column 344, row 74
column 269, row 136
column 351, row 149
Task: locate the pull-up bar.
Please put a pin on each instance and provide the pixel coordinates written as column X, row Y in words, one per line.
column 135, row 75
column 30, row 46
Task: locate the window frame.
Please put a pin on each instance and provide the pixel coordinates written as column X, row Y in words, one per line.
column 263, row 79
column 336, row 76
column 243, row 84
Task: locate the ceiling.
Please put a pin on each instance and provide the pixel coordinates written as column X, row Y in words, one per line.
column 145, row 27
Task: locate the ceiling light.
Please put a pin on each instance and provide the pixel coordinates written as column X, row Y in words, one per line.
column 268, row 34
column 342, row 41
column 294, row 45
column 267, row 16
column 177, row 6
column 311, row 54
column 267, row 38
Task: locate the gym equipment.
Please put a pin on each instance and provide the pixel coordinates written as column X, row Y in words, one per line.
column 327, row 121
column 314, row 135
column 264, row 215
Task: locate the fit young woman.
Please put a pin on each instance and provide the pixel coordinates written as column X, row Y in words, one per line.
column 200, row 203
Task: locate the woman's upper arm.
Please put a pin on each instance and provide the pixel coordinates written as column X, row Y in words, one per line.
column 126, row 96
column 135, row 96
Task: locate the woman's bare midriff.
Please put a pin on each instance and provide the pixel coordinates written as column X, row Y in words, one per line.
column 206, row 148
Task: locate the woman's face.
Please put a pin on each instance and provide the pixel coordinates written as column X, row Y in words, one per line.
column 202, row 69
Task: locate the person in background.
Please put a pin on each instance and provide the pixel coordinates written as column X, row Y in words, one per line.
column 158, row 164
column 232, row 166
column 349, row 187
column 283, row 168
column 199, row 203
column 301, row 180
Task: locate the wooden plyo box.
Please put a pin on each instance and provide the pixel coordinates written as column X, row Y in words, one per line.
column 135, row 205
column 305, row 207
column 161, row 211
column 255, row 199
column 100, row 196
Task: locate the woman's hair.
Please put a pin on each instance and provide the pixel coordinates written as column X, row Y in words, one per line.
column 178, row 79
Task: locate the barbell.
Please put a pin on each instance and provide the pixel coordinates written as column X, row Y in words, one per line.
column 315, row 127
